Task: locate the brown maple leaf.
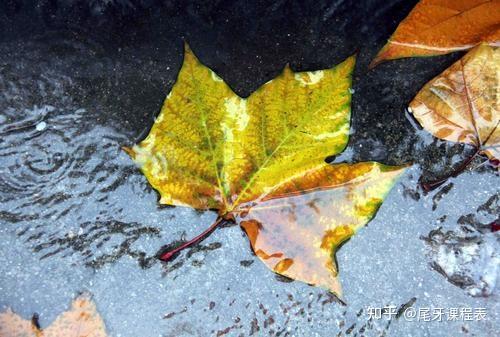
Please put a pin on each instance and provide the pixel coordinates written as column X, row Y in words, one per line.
column 436, row 27
column 461, row 104
column 81, row 320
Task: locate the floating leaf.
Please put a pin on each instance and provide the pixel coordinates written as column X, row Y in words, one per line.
column 260, row 161
column 461, row 104
column 82, row 320
column 436, row 27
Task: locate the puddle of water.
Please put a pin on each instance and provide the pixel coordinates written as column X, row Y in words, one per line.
column 75, row 214
column 65, row 185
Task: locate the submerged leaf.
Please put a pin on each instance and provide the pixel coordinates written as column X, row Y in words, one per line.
column 260, row 161
column 461, row 104
column 82, row 320
column 297, row 228
column 436, row 27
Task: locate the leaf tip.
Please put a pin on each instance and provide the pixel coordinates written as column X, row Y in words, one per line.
column 382, row 56
column 399, row 170
column 130, row 151
column 375, row 62
column 187, row 48
column 287, row 69
column 351, row 60
column 189, row 55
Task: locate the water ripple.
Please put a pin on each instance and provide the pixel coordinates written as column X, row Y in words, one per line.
column 64, row 181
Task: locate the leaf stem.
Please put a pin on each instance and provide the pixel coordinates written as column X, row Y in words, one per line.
column 495, row 226
column 432, row 185
column 168, row 255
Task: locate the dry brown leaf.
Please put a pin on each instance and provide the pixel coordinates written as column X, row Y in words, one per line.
column 82, row 320
column 461, row 104
column 436, row 27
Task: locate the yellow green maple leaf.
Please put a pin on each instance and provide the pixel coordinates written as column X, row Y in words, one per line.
column 261, row 162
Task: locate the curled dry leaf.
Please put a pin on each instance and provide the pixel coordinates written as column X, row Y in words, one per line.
column 461, row 104
column 436, row 27
column 82, row 320
column 260, row 161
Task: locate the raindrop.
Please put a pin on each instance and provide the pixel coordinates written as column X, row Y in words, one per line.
column 41, row 126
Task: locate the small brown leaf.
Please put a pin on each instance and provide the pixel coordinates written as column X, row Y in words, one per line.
column 82, row 320
column 461, row 104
